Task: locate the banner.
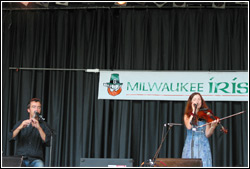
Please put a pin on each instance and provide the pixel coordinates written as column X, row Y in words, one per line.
column 173, row 85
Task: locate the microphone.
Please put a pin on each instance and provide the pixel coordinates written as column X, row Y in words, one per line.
column 36, row 114
column 195, row 105
column 175, row 124
column 39, row 115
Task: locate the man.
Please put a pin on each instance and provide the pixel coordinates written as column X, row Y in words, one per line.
column 32, row 136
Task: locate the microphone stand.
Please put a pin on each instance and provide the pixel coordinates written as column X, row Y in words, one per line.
column 193, row 123
column 150, row 162
column 51, row 135
column 162, row 140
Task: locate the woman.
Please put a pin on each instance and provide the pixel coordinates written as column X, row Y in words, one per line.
column 196, row 143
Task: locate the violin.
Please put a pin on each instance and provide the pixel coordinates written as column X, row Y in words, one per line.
column 208, row 116
column 236, row 114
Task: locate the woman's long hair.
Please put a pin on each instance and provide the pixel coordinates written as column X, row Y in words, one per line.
column 188, row 108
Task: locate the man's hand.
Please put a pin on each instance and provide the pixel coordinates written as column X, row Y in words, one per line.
column 24, row 124
column 35, row 123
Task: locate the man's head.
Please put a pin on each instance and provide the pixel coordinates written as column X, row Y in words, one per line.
column 33, row 106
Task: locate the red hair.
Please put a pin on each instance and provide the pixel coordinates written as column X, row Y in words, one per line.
column 188, row 108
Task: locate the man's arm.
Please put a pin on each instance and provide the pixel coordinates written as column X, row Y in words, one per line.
column 42, row 134
column 36, row 124
column 24, row 124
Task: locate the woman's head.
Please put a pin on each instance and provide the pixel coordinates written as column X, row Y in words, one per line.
column 195, row 99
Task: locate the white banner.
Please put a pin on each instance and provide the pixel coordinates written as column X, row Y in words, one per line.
column 173, row 85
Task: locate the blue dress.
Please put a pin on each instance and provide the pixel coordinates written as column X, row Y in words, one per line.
column 201, row 147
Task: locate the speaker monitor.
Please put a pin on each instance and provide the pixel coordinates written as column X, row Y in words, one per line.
column 178, row 162
column 12, row 161
column 105, row 162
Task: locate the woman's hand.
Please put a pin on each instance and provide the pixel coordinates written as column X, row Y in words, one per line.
column 215, row 123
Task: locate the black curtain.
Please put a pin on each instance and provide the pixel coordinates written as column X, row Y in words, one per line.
column 119, row 39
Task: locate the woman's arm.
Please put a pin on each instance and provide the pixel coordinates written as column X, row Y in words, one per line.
column 210, row 128
column 187, row 121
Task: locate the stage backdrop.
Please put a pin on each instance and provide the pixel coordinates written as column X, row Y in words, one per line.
column 119, row 39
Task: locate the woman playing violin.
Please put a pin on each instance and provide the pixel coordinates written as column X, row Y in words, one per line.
column 196, row 143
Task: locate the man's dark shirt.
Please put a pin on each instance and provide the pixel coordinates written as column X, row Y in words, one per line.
column 29, row 142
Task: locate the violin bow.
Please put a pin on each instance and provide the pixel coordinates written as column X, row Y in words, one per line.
column 223, row 118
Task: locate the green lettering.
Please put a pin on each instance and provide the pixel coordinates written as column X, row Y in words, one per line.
column 192, row 87
column 165, row 87
column 144, row 87
column 242, row 87
column 200, row 87
column 183, row 87
column 155, row 84
column 171, row 87
column 223, row 89
column 234, row 86
column 132, row 88
column 211, row 85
